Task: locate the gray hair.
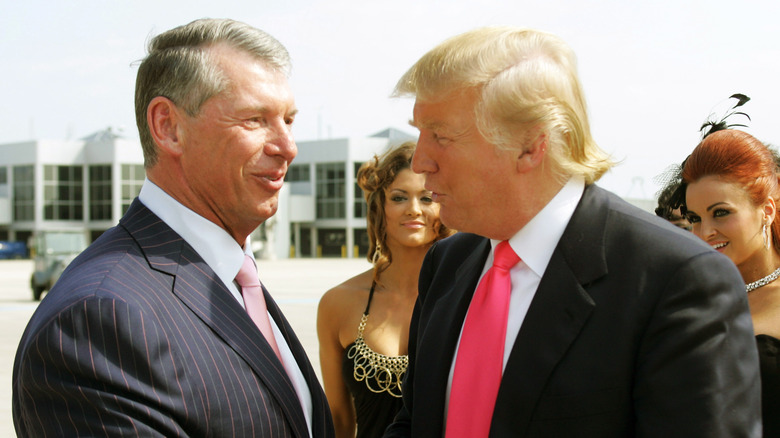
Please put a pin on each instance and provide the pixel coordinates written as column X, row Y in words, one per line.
column 178, row 66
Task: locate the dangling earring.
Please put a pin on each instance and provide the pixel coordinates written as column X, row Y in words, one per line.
column 377, row 252
column 766, row 237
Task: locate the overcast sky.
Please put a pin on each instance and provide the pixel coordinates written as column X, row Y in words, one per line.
column 652, row 71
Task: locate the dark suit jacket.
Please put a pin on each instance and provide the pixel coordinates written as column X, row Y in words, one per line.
column 637, row 329
column 140, row 338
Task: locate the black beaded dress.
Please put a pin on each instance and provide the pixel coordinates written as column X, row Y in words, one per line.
column 374, row 380
column 769, row 358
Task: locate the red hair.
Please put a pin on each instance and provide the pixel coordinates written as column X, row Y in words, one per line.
column 740, row 158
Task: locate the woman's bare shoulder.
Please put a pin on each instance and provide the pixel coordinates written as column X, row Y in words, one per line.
column 353, row 289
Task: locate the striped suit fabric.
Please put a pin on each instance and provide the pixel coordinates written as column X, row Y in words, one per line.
column 139, row 337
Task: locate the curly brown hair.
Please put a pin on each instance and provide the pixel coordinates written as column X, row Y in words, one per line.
column 374, row 177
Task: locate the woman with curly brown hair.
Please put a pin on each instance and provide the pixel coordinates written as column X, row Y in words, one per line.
column 362, row 354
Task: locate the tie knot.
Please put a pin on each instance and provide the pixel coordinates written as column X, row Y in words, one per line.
column 505, row 256
column 247, row 275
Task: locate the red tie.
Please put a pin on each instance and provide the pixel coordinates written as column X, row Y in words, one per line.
column 255, row 302
column 479, row 364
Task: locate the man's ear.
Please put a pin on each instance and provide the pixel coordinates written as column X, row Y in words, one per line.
column 533, row 155
column 164, row 118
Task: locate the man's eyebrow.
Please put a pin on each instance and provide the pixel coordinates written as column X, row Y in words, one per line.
column 264, row 109
column 426, row 125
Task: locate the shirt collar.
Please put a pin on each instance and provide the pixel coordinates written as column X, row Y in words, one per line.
column 536, row 241
column 217, row 248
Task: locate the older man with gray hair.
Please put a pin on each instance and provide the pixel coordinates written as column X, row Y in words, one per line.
column 161, row 327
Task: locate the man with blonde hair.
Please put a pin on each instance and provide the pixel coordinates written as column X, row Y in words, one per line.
column 559, row 310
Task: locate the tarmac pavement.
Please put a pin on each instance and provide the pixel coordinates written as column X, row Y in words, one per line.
column 296, row 285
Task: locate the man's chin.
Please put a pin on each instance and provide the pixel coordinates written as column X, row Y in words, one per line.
column 268, row 209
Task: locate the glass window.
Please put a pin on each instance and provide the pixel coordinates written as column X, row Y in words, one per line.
column 24, row 193
column 298, row 173
column 331, row 193
column 3, row 182
column 100, row 192
column 132, row 179
column 361, row 242
column 63, row 193
column 332, row 242
column 361, row 208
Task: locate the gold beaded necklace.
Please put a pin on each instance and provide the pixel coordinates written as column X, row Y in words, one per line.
column 381, row 373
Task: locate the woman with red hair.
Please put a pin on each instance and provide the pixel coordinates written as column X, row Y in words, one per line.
column 731, row 189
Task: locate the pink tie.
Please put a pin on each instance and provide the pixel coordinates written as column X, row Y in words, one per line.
column 255, row 302
column 479, row 364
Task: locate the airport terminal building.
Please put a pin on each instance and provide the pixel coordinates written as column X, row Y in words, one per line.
column 74, row 185
column 86, row 185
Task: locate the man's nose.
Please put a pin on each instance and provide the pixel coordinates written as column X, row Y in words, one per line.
column 422, row 161
column 283, row 141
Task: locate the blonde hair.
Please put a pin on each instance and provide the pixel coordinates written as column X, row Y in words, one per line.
column 524, row 79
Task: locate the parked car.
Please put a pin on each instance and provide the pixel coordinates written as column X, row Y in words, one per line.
column 54, row 250
column 13, row 250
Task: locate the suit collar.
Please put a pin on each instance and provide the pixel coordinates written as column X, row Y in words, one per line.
column 537, row 240
column 558, row 312
column 578, row 259
column 320, row 423
column 200, row 290
column 585, row 236
column 444, row 321
column 159, row 243
column 443, row 315
column 466, row 279
column 215, row 245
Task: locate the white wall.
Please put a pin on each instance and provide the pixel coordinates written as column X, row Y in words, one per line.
column 18, row 153
column 60, row 152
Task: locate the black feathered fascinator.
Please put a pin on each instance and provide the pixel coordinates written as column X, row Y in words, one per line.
column 711, row 126
column 671, row 178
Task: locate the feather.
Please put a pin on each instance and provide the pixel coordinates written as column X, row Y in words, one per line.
column 710, row 126
column 741, row 99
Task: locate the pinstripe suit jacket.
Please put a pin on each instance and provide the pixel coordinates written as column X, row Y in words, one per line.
column 139, row 337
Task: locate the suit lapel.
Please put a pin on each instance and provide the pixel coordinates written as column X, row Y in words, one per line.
column 320, row 423
column 200, row 290
column 559, row 310
column 466, row 279
column 445, row 323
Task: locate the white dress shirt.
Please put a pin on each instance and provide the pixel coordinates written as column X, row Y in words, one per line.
column 224, row 256
column 534, row 244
